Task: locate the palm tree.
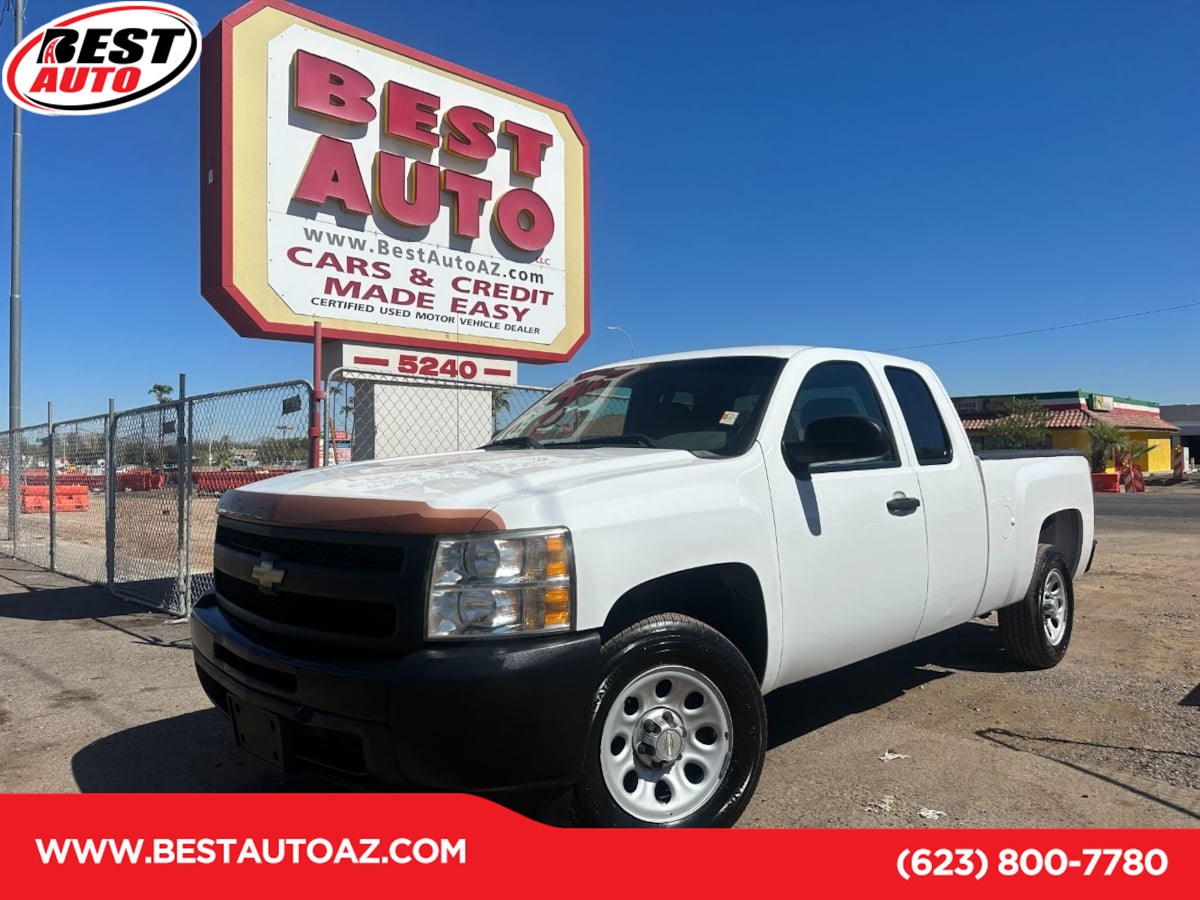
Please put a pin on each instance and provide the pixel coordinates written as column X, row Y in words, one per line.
column 162, row 395
column 1110, row 440
column 500, row 403
column 162, row 392
column 334, row 392
column 221, row 455
column 1106, row 440
column 331, row 396
column 347, row 408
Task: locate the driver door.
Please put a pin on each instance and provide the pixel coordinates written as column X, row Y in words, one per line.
column 851, row 540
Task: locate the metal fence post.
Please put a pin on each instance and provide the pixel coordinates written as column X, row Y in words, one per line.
column 50, row 467
column 322, row 410
column 180, row 440
column 185, row 477
column 15, row 450
column 110, row 495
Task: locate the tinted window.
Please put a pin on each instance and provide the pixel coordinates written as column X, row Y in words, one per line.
column 837, row 389
column 925, row 425
column 708, row 405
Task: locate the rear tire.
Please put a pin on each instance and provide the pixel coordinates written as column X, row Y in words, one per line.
column 678, row 731
column 1037, row 629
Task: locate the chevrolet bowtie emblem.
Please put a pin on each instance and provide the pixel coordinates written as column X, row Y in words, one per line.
column 267, row 576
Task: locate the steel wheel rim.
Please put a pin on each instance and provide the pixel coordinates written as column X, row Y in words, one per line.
column 1054, row 607
column 666, row 791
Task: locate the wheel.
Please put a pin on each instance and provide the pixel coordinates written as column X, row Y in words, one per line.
column 678, row 730
column 1037, row 629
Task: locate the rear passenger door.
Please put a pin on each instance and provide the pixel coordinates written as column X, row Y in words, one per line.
column 951, row 496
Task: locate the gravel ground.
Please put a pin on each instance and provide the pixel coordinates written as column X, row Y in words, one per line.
column 99, row 695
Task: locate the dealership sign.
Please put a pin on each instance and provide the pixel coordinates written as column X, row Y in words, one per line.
column 102, row 58
column 399, row 199
column 422, row 365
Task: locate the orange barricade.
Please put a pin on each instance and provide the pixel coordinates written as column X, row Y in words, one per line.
column 35, row 503
column 140, row 480
column 35, row 498
column 218, row 482
column 91, row 482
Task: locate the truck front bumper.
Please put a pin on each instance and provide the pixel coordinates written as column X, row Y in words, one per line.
column 477, row 717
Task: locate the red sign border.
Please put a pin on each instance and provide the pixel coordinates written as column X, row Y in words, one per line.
column 216, row 207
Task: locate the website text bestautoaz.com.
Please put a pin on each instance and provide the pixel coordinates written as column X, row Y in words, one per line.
column 253, row 851
column 427, row 255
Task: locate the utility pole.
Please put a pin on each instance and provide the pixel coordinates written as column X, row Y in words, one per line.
column 14, row 303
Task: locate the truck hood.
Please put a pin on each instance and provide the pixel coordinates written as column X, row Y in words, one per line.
column 435, row 494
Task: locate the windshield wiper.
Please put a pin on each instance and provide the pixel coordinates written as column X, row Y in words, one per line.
column 513, row 442
column 613, row 440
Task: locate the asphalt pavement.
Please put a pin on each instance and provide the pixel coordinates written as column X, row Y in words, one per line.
column 1160, row 507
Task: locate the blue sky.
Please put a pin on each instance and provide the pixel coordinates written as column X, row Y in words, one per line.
column 869, row 174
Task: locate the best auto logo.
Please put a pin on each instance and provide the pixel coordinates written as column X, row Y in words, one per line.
column 102, row 58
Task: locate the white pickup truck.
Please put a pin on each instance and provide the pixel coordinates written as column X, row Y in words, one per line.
column 598, row 600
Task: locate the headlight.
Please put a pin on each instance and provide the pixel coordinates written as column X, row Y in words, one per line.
column 505, row 584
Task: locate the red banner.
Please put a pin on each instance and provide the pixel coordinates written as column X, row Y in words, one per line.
column 184, row 845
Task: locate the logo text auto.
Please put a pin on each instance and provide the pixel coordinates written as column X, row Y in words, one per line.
column 102, row 58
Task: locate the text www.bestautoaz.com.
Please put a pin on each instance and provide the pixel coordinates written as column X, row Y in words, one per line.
column 252, row 851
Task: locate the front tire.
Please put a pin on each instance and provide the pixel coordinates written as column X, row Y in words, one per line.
column 678, row 731
column 1037, row 629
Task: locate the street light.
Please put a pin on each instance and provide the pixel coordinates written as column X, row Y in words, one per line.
column 632, row 352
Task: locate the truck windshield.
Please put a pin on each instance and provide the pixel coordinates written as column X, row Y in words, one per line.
column 709, row 406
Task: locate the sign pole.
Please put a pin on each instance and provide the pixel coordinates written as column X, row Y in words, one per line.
column 318, row 399
column 14, row 302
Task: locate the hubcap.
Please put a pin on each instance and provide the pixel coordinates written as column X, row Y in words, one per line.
column 666, row 744
column 1054, row 607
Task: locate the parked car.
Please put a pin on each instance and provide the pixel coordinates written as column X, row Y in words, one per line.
column 599, row 599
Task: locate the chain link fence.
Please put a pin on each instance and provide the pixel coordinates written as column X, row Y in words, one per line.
column 148, row 558
column 375, row 416
column 81, row 501
column 7, row 449
column 237, row 438
column 32, row 540
column 129, row 499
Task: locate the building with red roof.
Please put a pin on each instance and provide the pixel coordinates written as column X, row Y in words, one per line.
column 1071, row 413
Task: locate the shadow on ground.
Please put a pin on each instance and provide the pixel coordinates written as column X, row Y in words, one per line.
column 800, row 708
column 196, row 754
column 1061, row 750
column 56, row 603
column 192, row 753
column 61, row 604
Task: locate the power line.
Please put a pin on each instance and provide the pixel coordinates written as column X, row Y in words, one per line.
column 996, row 337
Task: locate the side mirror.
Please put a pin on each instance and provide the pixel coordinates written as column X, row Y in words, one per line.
column 837, row 439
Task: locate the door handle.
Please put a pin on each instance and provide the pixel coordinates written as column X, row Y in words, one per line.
column 902, row 506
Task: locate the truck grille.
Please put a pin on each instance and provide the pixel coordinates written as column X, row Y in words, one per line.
column 338, row 589
column 372, row 557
